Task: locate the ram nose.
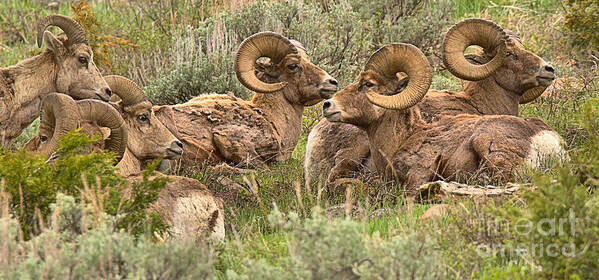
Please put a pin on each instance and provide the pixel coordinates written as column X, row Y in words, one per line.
column 546, row 75
column 104, row 94
column 329, row 88
column 330, row 111
column 175, row 150
column 333, row 82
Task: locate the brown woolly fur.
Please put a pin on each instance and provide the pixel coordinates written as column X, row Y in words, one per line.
column 405, row 147
column 346, row 151
column 65, row 67
column 219, row 128
column 498, row 94
column 457, row 148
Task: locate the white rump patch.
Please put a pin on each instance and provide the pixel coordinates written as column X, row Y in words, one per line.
column 545, row 146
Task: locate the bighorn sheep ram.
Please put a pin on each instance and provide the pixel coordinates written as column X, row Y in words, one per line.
column 186, row 204
column 497, row 79
column 221, row 129
column 404, row 146
column 66, row 66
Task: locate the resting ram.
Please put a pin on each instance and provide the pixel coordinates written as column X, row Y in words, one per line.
column 496, row 79
column 185, row 204
column 404, row 146
column 65, row 66
column 218, row 129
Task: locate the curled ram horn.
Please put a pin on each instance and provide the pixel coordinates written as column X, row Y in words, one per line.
column 126, row 89
column 74, row 31
column 104, row 115
column 475, row 31
column 59, row 114
column 392, row 59
column 263, row 44
column 531, row 94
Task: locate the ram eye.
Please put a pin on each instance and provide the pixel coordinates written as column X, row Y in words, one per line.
column 83, row 60
column 292, row 67
column 143, row 118
column 368, row 84
column 511, row 53
column 43, row 139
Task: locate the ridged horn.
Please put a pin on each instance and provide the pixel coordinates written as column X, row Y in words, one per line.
column 263, row 44
column 395, row 58
column 104, row 115
column 474, row 31
column 126, row 89
column 531, row 94
column 71, row 28
column 59, row 111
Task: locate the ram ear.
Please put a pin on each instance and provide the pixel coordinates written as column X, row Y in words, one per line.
column 402, row 77
column 402, row 81
column 478, row 59
column 53, row 44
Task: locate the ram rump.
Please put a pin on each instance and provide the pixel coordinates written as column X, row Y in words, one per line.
column 218, row 129
column 65, row 66
column 405, row 147
column 497, row 78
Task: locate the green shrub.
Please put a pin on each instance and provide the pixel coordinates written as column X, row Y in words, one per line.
column 320, row 248
column 558, row 227
column 563, row 212
column 582, row 19
column 338, row 39
column 420, row 23
column 70, row 249
column 33, row 184
column 211, row 74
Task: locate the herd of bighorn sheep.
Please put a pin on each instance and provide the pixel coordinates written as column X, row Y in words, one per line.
column 387, row 120
column 495, row 83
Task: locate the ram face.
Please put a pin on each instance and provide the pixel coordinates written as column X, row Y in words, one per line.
column 67, row 66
